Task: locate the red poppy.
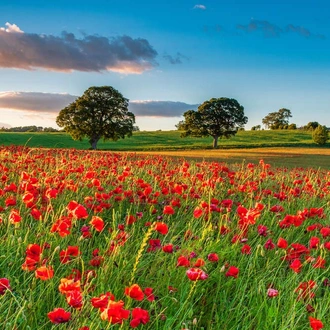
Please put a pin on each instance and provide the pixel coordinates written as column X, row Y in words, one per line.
column 246, row 249
column 168, row 248
column 161, row 227
column 71, row 251
column 62, row 226
column 139, row 316
column 97, row 223
column 269, row 245
column 149, row 294
column 296, row 266
column 282, row 243
column 44, row 273
column 77, row 210
column 315, row 323
column 102, row 300
column 314, row 242
column 74, row 299
column 135, row 292
column 114, row 313
column 232, row 271
column 198, row 212
column 68, row 285
column 183, row 262
column 59, row 315
column 213, row 257
column 4, row 285
column 199, row 262
column 195, row 274
column 14, row 216
column 168, row 209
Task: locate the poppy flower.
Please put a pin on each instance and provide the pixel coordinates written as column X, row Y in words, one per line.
column 71, row 251
column 183, row 262
column 199, row 262
column 282, row 243
column 161, row 227
column 74, row 299
column 315, row 323
column 149, row 294
column 213, row 257
column 195, row 274
column 97, row 223
column 68, row 285
column 4, row 285
column 139, row 316
column 168, row 209
column 314, row 242
column 269, row 245
column 135, row 292
column 14, row 216
column 246, row 249
column 102, row 300
column 232, row 271
column 59, row 315
column 115, row 313
column 296, row 266
column 168, row 248
column 44, row 273
column 198, row 212
column 272, row 292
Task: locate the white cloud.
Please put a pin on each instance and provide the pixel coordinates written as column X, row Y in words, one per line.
column 11, row 28
column 65, row 53
column 200, row 7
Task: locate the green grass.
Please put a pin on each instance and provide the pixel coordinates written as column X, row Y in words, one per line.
column 164, row 140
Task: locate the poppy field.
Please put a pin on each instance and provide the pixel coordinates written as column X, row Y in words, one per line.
column 101, row 240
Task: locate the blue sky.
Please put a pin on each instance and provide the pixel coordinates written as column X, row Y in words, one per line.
column 165, row 57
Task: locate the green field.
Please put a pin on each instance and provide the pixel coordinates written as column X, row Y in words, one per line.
column 164, row 140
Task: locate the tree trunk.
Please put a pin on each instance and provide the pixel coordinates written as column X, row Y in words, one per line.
column 93, row 143
column 215, row 142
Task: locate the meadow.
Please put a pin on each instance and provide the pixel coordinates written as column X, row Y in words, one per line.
column 164, row 140
column 109, row 240
column 278, row 148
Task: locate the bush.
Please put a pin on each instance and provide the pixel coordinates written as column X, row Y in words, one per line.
column 320, row 135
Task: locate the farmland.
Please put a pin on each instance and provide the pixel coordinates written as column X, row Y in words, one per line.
column 100, row 240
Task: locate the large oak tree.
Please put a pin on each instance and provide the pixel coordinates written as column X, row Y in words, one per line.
column 101, row 112
column 219, row 118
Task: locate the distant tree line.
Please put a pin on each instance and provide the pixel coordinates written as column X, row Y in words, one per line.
column 29, row 129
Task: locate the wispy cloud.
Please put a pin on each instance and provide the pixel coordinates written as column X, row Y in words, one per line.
column 270, row 30
column 148, row 108
column 36, row 103
column 176, row 59
column 67, row 52
column 200, row 7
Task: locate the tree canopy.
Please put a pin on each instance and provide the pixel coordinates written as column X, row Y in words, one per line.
column 277, row 120
column 218, row 117
column 101, row 112
column 320, row 135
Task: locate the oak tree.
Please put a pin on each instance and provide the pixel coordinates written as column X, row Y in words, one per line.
column 218, row 117
column 101, row 112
